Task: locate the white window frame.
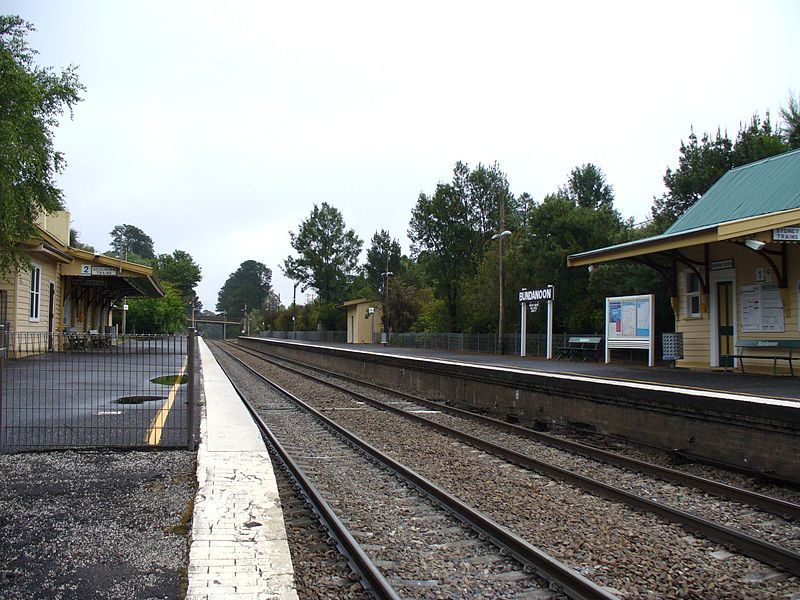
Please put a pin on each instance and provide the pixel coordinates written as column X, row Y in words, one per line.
column 689, row 295
column 35, row 294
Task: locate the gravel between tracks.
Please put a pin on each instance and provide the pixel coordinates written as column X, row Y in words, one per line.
column 638, row 555
column 423, row 551
column 96, row 524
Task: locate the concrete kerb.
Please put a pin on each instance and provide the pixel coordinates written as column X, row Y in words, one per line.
column 239, row 545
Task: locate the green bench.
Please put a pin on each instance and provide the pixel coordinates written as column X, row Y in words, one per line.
column 581, row 347
column 766, row 350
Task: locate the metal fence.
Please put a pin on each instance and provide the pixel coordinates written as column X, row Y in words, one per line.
column 536, row 344
column 83, row 390
column 307, row 336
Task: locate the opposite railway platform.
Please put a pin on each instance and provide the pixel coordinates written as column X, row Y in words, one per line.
column 239, row 547
column 782, row 387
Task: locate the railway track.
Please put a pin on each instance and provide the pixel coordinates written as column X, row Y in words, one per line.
column 479, row 431
column 403, row 535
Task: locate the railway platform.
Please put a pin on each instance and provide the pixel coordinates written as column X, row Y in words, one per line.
column 782, row 387
column 239, row 545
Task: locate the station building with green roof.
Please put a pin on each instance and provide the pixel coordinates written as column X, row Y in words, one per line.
column 732, row 262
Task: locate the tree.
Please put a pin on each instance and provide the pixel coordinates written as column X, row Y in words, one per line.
column 384, row 252
column 127, row 239
column 157, row 315
column 328, row 254
column 75, row 241
column 450, row 229
column 702, row 164
column 246, row 288
column 791, row 122
column 587, row 187
column 180, row 270
column 755, row 141
column 31, row 100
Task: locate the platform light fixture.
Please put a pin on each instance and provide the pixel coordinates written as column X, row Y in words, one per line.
column 755, row 244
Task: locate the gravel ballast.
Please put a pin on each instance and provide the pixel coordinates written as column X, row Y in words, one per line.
column 95, row 524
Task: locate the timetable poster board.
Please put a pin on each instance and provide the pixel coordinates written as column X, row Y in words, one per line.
column 629, row 317
column 629, row 323
column 761, row 308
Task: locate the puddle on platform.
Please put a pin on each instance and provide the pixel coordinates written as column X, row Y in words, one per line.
column 138, row 399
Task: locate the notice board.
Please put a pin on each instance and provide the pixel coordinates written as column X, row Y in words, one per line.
column 629, row 324
column 761, row 308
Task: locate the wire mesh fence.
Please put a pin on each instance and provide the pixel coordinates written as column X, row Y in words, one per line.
column 93, row 390
column 536, row 344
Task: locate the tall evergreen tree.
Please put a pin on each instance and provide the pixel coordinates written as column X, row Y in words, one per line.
column 383, row 252
column 791, row 122
column 327, row 253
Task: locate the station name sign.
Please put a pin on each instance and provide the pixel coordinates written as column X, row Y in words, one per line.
column 545, row 294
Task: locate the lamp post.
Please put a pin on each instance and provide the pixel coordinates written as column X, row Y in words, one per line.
column 294, row 309
column 386, row 273
column 501, row 235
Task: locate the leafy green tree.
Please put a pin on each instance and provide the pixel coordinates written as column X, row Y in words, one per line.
column 157, row 315
column 405, row 305
column 181, row 271
column 75, row 241
column 587, row 187
column 247, row 288
column 327, row 253
column 554, row 229
column 127, row 239
column 450, row 229
column 31, row 100
column 791, row 122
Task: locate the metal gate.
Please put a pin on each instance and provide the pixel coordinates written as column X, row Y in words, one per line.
column 81, row 390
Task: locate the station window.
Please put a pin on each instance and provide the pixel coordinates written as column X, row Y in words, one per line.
column 692, row 295
column 36, row 284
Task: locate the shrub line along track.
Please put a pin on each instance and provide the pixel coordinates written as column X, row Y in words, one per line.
column 751, row 546
column 559, row 575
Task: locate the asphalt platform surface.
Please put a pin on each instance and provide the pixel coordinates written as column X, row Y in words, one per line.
column 95, row 524
column 110, row 397
column 717, row 380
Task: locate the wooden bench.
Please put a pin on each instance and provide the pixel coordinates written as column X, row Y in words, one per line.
column 766, row 350
column 585, row 348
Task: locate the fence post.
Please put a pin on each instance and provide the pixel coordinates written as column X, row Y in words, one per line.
column 191, row 340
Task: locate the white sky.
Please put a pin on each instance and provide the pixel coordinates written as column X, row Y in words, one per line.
column 215, row 126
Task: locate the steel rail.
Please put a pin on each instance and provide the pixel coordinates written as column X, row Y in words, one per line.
column 566, row 579
column 751, row 546
column 371, row 577
column 774, row 506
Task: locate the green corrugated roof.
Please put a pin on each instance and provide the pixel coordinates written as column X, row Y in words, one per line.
column 767, row 186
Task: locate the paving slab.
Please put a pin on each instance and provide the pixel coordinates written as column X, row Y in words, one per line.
column 239, row 546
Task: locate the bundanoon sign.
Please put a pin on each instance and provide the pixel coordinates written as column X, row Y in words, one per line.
column 533, row 298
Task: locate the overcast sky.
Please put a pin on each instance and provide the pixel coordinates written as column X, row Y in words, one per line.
column 216, row 126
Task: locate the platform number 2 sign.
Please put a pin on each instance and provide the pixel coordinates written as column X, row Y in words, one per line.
column 86, row 270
